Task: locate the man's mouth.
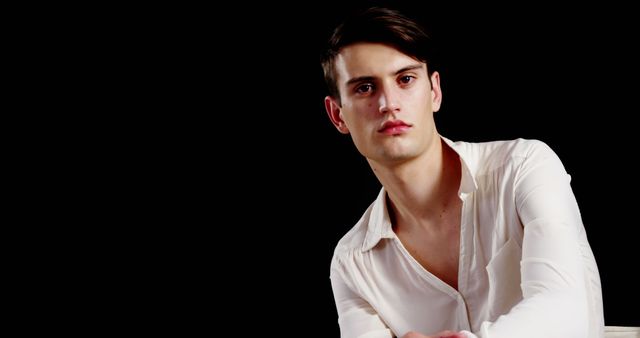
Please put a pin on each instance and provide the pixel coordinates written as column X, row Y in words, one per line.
column 394, row 127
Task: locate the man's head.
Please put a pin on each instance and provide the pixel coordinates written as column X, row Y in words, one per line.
column 377, row 25
column 381, row 91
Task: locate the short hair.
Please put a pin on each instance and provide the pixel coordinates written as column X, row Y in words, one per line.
column 377, row 25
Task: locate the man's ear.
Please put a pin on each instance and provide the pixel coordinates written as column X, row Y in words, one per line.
column 335, row 114
column 436, row 92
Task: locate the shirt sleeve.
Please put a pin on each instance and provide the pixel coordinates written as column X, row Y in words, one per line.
column 552, row 269
column 356, row 317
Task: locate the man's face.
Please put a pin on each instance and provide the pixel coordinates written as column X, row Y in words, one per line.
column 387, row 102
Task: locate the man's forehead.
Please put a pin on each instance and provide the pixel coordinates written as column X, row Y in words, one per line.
column 374, row 60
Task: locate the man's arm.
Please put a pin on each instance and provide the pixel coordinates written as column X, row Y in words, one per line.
column 356, row 317
column 555, row 298
column 443, row 334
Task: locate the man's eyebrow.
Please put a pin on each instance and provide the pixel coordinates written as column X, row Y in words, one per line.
column 408, row 68
column 371, row 78
column 360, row 79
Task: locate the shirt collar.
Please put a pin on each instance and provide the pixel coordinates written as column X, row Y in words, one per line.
column 380, row 227
column 468, row 182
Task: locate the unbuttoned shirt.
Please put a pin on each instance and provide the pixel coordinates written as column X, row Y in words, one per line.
column 525, row 266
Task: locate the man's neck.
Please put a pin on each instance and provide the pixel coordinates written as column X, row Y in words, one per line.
column 421, row 190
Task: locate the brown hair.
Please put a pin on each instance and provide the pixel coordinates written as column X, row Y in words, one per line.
column 378, row 25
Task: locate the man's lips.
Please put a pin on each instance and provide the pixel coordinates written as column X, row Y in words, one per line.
column 394, row 127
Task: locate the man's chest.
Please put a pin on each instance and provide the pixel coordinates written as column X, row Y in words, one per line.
column 437, row 252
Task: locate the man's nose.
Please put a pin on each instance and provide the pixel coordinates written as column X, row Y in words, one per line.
column 388, row 101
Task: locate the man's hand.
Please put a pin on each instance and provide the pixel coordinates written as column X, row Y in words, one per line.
column 443, row 334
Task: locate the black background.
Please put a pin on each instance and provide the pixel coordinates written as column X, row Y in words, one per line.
column 254, row 162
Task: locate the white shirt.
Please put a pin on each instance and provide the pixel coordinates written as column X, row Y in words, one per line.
column 525, row 266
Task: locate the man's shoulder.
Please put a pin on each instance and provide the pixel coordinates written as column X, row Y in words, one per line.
column 494, row 154
column 354, row 239
column 519, row 147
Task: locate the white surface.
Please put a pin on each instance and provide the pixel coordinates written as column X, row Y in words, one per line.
column 621, row 332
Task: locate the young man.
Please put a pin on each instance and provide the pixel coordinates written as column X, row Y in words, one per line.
column 464, row 239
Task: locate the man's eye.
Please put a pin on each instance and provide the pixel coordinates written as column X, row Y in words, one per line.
column 406, row 79
column 365, row 88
